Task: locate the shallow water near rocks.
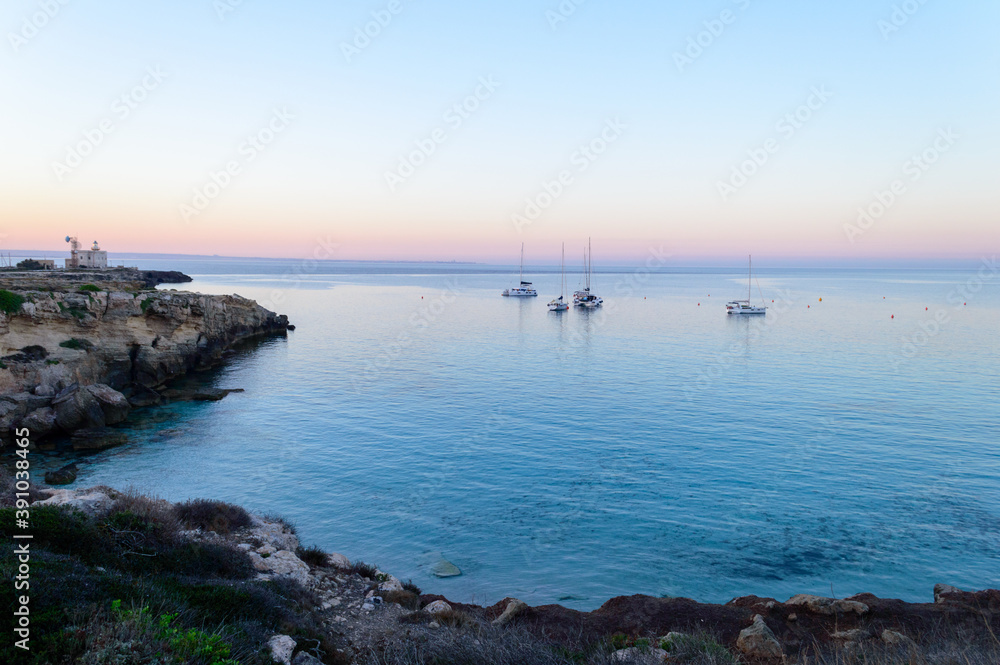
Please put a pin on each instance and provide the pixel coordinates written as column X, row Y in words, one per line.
column 655, row 446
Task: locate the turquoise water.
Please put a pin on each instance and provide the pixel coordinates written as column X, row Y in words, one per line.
column 655, row 446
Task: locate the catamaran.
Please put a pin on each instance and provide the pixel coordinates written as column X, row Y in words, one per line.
column 745, row 306
column 524, row 288
column 559, row 304
column 584, row 297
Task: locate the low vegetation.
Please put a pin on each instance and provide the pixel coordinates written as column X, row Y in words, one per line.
column 218, row 516
column 89, row 288
column 77, row 344
column 124, row 587
column 313, row 555
column 10, row 302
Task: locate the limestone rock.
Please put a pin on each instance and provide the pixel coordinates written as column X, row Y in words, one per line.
column 757, row 640
column 892, row 638
column 45, row 390
column 115, row 406
column 335, row 560
column 97, row 438
column 437, row 607
column 943, row 590
column 77, row 409
column 636, row 656
column 63, row 476
column 142, row 396
column 821, row 605
column 281, row 647
column 257, row 561
column 274, row 533
column 390, row 584
column 90, row 501
column 11, row 411
column 514, row 608
column 283, row 563
column 445, row 568
column 306, row 658
column 41, row 423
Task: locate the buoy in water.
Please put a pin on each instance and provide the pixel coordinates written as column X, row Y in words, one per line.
column 821, row 300
column 892, row 316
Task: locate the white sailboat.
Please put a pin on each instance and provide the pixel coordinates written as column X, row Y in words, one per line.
column 523, row 288
column 559, row 304
column 584, row 297
column 741, row 307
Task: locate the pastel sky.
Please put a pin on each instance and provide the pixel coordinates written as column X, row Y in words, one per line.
column 120, row 119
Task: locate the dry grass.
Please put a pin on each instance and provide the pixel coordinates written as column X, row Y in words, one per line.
column 218, row 516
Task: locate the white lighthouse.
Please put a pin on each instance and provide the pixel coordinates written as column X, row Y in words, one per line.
column 95, row 257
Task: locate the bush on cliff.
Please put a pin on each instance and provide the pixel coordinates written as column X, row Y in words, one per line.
column 217, row 516
column 77, row 344
column 10, row 302
column 125, row 586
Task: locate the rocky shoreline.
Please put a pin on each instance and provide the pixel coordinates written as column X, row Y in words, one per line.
column 366, row 615
column 80, row 349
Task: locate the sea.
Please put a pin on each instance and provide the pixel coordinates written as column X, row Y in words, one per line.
column 846, row 442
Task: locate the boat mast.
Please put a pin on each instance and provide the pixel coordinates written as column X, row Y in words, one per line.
column 562, row 269
column 749, row 276
column 589, row 263
column 520, row 273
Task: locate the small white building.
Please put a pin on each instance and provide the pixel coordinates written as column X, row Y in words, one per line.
column 95, row 257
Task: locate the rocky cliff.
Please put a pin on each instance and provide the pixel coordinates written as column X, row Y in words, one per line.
column 213, row 564
column 109, row 333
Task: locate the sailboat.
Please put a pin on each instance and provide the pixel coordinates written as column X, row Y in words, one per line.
column 744, row 306
column 584, row 298
column 523, row 288
column 559, row 304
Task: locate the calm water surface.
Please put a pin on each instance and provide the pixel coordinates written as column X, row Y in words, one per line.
column 655, row 446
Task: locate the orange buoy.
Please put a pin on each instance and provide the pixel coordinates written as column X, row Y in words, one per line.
column 821, row 300
column 808, row 306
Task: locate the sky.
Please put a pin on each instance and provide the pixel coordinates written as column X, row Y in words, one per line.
column 447, row 130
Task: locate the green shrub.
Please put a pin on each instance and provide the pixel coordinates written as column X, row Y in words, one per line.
column 313, row 555
column 363, row 569
column 406, row 599
column 77, row 344
column 408, row 585
column 10, row 302
column 144, row 305
column 89, row 288
column 698, row 649
column 216, row 516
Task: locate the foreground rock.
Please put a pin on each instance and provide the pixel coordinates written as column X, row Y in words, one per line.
column 63, row 476
column 97, row 438
column 757, row 641
column 92, row 354
column 366, row 610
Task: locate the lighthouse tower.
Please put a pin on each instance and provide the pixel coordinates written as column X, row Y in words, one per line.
column 95, row 257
